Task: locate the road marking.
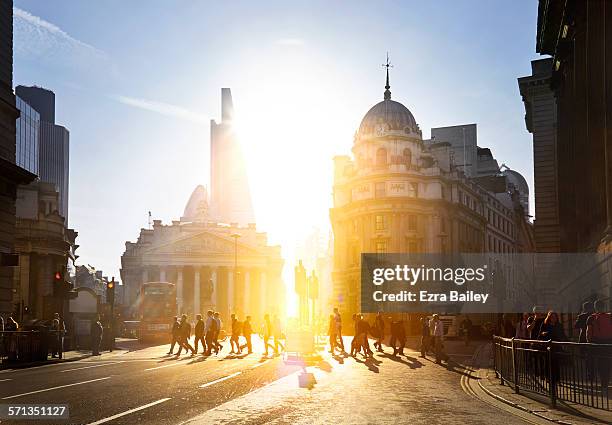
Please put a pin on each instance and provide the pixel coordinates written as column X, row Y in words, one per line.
column 4, row 380
column 166, row 365
column 260, row 364
column 89, row 367
column 216, row 381
column 55, row 388
column 127, row 412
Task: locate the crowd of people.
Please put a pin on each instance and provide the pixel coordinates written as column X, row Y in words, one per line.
column 207, row 334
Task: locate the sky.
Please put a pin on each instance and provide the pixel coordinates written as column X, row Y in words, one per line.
column 138, row 82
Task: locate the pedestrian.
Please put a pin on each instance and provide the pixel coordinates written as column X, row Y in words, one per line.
column 235, row 338
column 198, row 334
column 581, row 320
column 398, row 334
column 59, row 328
column 363, row 328
column 11, row 342
column 96, row 331
column 268, row 332
column 217, row 318
column 379, row 325
column 438, row 335
column 355, row 346
column 425, row 332
column 521, row 331
column 338, row 321
column 277, row 329
column 209, row 331
column 535, row 322
column 599, row 331
column 332, row 334
column 466, row 329
column 247, row 331
column 174, row 333
column 551, row 329
column 184, row 335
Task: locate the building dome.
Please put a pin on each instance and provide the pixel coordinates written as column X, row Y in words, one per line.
column 197, row 206
column 393, row 115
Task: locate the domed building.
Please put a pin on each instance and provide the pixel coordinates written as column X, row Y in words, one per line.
column 398, row 194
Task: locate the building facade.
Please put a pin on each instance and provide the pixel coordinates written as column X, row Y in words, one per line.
column 11, row 175
column 27, row 134
column 401, row 194
column 54, row 143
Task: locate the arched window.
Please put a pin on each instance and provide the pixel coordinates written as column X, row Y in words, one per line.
column 381, row 157
column 407, row 158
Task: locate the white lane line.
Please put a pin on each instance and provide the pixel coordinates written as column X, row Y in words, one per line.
column 166, row 365
column 216, row 381
column 260, row 364
column 55, row 388
column 89, row 367
column 4, row 380
column 127, row 412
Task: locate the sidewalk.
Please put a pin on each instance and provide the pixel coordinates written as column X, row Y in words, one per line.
column 538, row 405
column 68, row 356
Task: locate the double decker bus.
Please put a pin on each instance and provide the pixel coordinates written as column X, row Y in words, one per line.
column 157, row 306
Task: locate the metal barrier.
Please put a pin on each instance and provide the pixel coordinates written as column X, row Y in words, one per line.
column 29, row 346
column 569, row 371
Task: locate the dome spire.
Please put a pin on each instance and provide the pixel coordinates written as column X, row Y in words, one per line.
column 387, row 86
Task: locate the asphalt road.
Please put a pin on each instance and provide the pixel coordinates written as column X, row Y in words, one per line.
column 143, row 386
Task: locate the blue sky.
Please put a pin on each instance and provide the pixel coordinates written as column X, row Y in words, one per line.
column 137, row 82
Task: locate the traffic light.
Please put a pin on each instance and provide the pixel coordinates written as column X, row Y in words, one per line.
column 301, row 282
column 313, row 286
column 58, row 284
column 110, row 292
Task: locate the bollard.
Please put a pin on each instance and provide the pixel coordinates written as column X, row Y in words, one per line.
column 551, row 378
column 514, row 368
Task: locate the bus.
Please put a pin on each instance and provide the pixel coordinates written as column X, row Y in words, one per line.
column 157, row 306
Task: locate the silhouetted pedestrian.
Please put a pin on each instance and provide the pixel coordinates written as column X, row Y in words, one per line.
column 277, row 330
column 219, row 325
column 198, row 334
column 174, row 333
column 96, row 331
column 59, row 329
column 247, row 331
column 235, row 337
column 438, row 336
column 338, row 321
column 425, row 336
column 209, row 331
column 398, row 335
column 184, row 335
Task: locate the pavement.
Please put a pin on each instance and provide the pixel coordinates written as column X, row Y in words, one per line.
column 142, row 384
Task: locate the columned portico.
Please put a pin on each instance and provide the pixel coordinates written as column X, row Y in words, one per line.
column 179, row 290
column 230, row 289
column 196, row 291
column 246, row 300
column 215, row 296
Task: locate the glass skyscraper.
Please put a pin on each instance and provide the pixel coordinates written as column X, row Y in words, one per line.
column 27, row 135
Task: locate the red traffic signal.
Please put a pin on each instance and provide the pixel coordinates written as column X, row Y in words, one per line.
column 57, row 276
column 110, row 285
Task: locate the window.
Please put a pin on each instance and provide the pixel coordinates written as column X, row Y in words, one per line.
column 380, row 222
column 381, row 247
column 379, row 190
column 413, row 190
column 412, row 223
column 381, row 157
column 407, row 158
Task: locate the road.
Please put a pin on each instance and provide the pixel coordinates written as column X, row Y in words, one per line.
column 147, row 386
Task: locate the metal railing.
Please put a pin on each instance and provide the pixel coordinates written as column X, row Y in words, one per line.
column 29, row 346
column 568, row 371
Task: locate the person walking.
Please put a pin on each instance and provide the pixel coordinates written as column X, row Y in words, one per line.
column 198, row 334
column 363, row 328
column 209, row 331
column 96, row 331
column 466, row 329
column 247, row 331
column 355, row 346
column 379, row 326
column 277, row 328
column 174, row 333
column 581, row 320
column 425, row 336
column 398, row 335
column 268, row 332
column 599, row 331
column 332, row 334
column 59, row 329
column 338, row 321
column 219, row 324
column 521, row 327
column 438, row 335
column 235, row 338
column 552, row 329
column 184, row 335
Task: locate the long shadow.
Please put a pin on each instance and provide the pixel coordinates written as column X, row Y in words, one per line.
column 198, row 359
column 370, row 363
column 339, row 359
column 411, row 362
column 457, row 368
column 325, row 366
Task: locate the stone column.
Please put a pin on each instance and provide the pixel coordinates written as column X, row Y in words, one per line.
column 230, row 289
column 262, row 294
column 179, row 289
column 214, row 299
column 246, row 302
column 162, row 274
column 196, row 291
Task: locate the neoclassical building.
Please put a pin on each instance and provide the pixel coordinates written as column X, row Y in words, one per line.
column 198, row 255
column 399, row 193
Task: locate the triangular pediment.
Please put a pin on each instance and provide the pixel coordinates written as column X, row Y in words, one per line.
column 201, row 243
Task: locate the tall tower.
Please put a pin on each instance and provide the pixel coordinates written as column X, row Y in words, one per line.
column 230, row 194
